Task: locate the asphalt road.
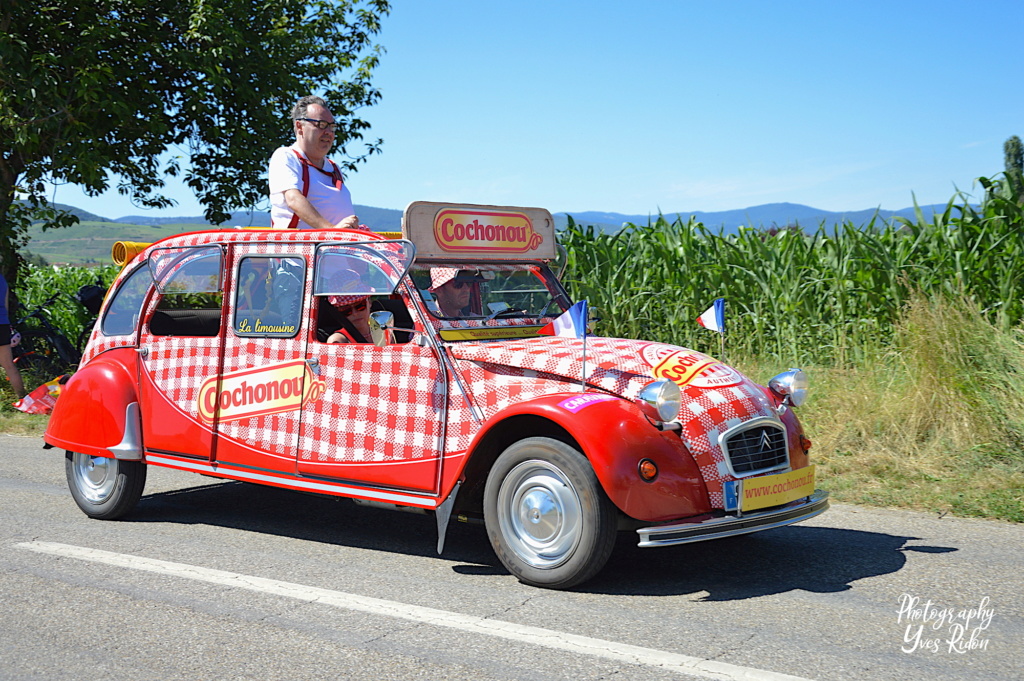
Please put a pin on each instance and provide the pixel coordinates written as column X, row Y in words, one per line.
column 221, row 580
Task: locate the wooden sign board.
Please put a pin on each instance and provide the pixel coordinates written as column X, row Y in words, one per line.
column 465, row 232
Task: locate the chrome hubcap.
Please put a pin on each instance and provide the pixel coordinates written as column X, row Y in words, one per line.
column 95, row 476
column 539, row 513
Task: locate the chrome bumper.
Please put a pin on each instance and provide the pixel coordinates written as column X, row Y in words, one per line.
column 730, row 525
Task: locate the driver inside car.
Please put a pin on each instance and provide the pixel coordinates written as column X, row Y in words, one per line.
column 456, row 291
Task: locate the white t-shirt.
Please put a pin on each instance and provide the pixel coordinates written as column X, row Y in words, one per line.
column 286, row 173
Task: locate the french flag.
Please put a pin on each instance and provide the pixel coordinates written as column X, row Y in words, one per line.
column 572, row 323
column 714, row 317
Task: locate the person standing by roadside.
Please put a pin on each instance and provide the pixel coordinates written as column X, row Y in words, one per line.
column 6, row 356
column 307, row 190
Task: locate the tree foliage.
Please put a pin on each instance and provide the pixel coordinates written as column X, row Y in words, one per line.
column 93, row 92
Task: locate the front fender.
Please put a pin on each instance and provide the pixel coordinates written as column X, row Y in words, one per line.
column 798, row 455
column 615, row 436
column 93, row 413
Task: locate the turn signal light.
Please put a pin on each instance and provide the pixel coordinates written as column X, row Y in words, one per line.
column 805, row 442
column 648, row 470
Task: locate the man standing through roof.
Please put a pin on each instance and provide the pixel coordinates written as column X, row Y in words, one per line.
column 307, row 190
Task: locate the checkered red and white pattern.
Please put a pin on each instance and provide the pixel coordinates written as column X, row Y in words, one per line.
column 503, row 373
column 179, row 365
column 385, row 405
column 439, row 276
column 706, row 415
column 99, row 343
column 381, row 404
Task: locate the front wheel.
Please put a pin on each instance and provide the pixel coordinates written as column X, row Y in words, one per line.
column 548, row 519
column 104, row 488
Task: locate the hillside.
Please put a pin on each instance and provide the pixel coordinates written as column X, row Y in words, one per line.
column 89, row 242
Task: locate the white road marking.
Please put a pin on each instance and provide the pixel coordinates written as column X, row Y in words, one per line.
column 572, row 643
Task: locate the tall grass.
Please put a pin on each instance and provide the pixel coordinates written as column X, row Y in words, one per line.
column 936, row 422
column 37, row 284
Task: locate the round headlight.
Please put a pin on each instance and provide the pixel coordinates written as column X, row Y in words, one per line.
column 791, row 386
column 660, row 400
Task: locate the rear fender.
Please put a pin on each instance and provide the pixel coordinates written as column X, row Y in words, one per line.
column 97, row 412
column 615, row 436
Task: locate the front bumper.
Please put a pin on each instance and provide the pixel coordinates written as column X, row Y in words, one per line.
column 730, row 525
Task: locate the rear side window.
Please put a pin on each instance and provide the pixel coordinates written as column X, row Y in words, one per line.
column 189, row 281
column 122, row 315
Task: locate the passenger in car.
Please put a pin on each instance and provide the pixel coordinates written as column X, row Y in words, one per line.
column 254, row 291
column 355, row 319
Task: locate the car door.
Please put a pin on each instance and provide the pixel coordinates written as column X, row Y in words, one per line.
column 265, row 378
column 180, row 346
column 379, row 420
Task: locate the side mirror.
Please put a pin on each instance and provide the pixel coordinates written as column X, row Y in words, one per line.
column 381, row 325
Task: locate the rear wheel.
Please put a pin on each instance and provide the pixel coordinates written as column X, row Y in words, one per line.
column 104, row 488
column 547, row 517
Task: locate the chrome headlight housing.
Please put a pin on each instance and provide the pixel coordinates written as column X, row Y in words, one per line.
column 660, row 400
column 791, row 386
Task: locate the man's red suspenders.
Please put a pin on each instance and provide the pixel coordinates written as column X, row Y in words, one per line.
column 335, row 175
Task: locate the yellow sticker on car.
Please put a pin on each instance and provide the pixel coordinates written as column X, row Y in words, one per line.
column 489, row 333
column 774, row 490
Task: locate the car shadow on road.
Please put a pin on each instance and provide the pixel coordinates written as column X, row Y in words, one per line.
column 798, row 557
column 317, row 518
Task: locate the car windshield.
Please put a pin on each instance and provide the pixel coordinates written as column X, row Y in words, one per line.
column 495, row 291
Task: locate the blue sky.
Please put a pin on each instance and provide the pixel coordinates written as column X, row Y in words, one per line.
column 683, row 106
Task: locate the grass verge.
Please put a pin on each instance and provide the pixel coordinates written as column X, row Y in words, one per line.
column 934, row 423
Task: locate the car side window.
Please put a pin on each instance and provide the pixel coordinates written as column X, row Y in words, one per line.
column 190, row 301
column 268, row 300
column 122, row 315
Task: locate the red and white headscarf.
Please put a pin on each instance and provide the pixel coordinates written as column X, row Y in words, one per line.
column 439, row 276
column 344, row 280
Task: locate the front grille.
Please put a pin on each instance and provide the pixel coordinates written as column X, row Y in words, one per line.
column 756, row 449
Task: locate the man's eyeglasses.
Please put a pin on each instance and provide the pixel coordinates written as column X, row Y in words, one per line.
column 321, row 125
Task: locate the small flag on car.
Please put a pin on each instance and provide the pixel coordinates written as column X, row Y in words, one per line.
column 572, row 323
column 714, row 317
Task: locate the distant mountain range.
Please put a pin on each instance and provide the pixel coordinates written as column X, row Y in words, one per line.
column 764, row 216
column 767, row 215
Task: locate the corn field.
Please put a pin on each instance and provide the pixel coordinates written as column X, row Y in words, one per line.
column 830, row 297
